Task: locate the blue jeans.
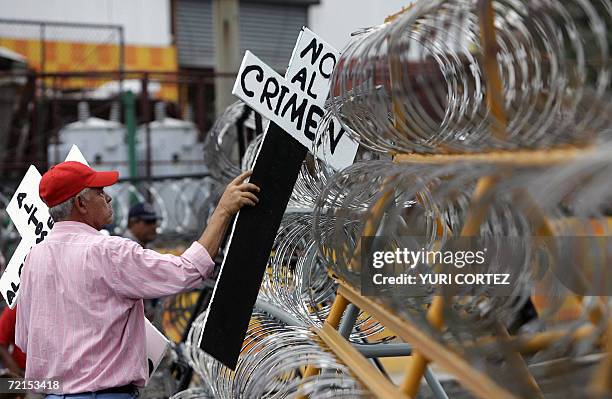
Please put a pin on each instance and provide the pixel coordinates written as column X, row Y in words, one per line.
column 93, row 396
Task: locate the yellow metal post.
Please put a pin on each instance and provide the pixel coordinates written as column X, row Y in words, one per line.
column 488, row 40
column 333, row 319
column 601, row 384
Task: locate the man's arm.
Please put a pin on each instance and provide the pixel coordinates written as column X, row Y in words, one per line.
column 22, row 310
column 141, row 273
column 8, row 319
column 237, row 194
column 9, row 362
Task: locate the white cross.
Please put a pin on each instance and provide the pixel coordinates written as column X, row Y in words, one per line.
column 296, row 102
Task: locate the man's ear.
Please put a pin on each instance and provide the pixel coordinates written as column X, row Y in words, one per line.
column 79, row 204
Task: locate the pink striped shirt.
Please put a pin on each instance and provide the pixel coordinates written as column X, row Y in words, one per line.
column 80, row 316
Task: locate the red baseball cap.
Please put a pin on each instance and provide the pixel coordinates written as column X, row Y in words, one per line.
column 65, row 180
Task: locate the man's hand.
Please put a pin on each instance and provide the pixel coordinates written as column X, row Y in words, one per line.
column 238, row 194
column 9, row 362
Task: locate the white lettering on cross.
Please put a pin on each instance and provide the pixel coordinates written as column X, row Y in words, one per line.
column 296, row 102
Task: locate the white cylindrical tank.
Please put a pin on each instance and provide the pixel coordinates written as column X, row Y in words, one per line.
column 102, row 142
column 175, row 149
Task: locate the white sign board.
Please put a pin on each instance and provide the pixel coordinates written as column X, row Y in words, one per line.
column 9, row 283
column 156, row 344
column 33, row 222
column 31, row 218
column 296, row 102
column 312, row 64
column 76, row 155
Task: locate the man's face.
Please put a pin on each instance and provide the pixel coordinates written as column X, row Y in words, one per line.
column 98, row 209
column 145, row 231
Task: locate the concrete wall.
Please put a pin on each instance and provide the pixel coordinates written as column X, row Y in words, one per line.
column 145, row 22
column 335, row 20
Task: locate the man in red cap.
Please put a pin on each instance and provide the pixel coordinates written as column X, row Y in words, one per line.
column 80, row 317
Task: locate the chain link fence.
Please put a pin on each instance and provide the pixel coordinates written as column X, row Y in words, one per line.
column 64, row 47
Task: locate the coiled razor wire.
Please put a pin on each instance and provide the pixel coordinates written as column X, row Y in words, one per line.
column 298, row 283
column 220, row 145
column 272, row 359
column 248, row 161
column 180, row 203
column 8, row 232
column 193, row 393
column 417, row 201
column 419, row 82
column 574, row 199
column 432, row 202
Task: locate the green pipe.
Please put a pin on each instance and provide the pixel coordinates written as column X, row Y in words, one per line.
column 130, row 125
